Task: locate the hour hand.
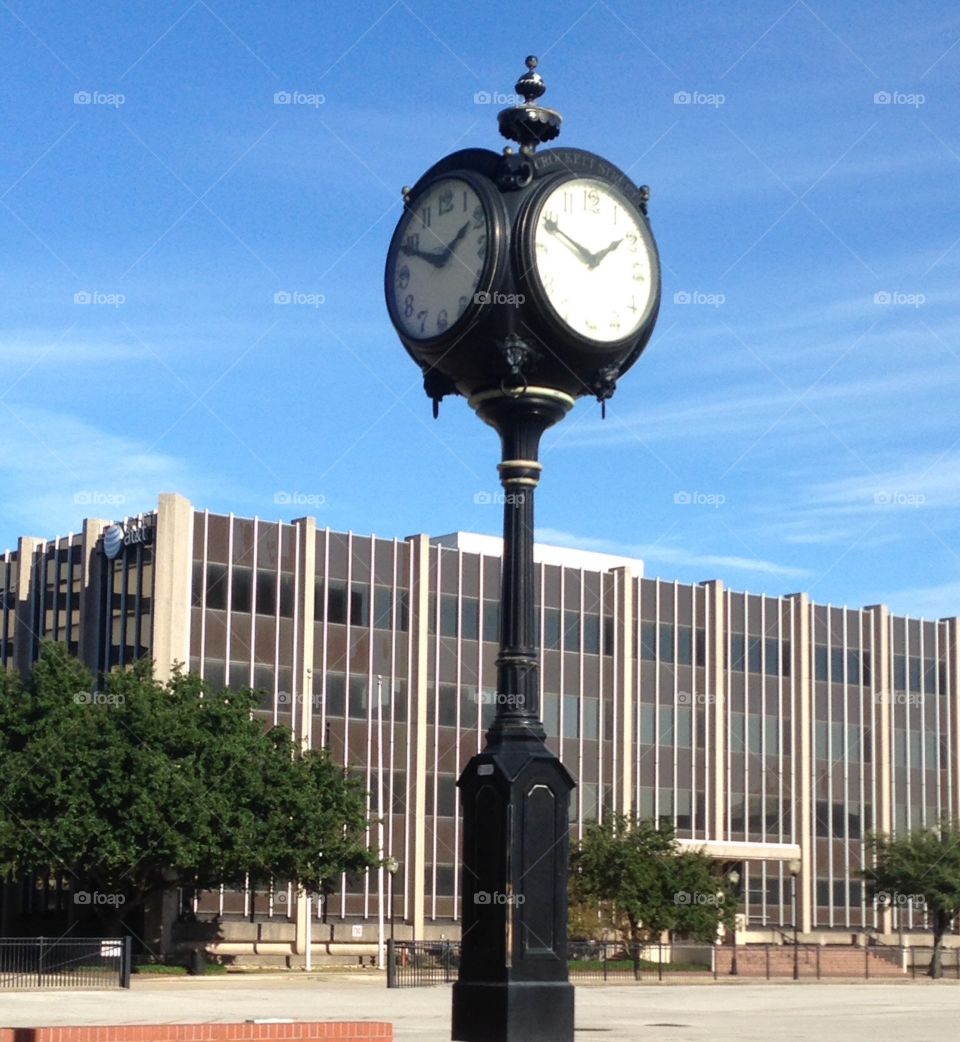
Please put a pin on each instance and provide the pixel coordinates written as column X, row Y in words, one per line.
column 581, row 251
column 436, row 259
column 597, row 257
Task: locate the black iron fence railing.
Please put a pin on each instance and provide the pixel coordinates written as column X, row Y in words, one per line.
column 413, row 964
column 64, row 962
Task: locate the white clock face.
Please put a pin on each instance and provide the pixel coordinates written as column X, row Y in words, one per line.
column 441, row 257
column 593, row 260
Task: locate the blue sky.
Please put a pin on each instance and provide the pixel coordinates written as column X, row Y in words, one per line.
column 792, row 424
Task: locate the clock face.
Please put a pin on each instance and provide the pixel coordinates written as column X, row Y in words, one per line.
column 594, row 260
column 443, row 241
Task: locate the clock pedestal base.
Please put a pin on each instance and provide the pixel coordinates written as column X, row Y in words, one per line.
column 518, row 1011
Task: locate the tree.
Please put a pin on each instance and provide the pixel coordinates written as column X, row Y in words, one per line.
column 142, row 786
column 920, row 869
column 643, row 884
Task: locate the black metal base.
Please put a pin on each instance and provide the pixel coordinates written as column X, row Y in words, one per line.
column 520, row 1011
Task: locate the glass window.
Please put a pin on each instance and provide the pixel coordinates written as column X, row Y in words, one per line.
column 648, row 641
column 241, row 589
column 821, row 669
column 571, row 720
column 446, row 795
column 685, row 726
column 359, row 604
column 447, row 706
column 772, row 735
column 914, row 673
column 646, row 802
column 336, row 698
column 491, row 621
column 684, row 646
column 666, row 803
column 608, row 638
column 822, row 740
column 700, row 650
column 853, row 667
column 571, row 631
column 470, row 618
column 266, row 592
column 286, row 595
column 916, row 744
column 772, row 657
column 382, row 607
column 684, row 809
column 647, row 725
column 755, row 655
column 591, row 634
column 357, row 707
column 737, row 812
column 836, row 665
column 666, row 642
column 666, row 725
column 591, row 718
column 551, row 714
column 837, row 742
column 737, row 650
column 217, row 587
column 589, row 799
column 737, row 732
column 336, row 602
column 786, row 658
column 930, row 750
column 754, row 724
column 448, row 615
column 469, row 706
column 551, row 628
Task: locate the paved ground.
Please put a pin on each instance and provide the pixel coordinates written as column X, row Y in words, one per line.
column 921, row 1011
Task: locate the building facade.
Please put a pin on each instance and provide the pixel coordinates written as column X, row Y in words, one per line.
column 766, row 729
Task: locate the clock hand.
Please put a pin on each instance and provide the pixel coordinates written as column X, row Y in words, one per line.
column 439, row 258
column 597, row 257
column 582, row 252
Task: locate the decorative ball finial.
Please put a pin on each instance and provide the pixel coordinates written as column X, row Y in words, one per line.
column 527, row 123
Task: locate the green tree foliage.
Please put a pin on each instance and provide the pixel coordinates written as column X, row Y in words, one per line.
column 643, row 884
column 921, row 870
column 141, row 786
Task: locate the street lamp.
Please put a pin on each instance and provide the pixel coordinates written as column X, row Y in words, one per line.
column 794, row 866
column 734, row 876
column 522, row 281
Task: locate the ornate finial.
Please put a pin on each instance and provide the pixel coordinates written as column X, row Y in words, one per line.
column 530, row 124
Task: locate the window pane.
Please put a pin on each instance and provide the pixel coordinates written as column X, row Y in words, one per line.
column 551, row 628
column 737, row 651
column 591, row 718
column 286, row 595
column 666, row 642
column 772, row 656
column 571, row 631
column 448, row 615
column 820, row 664
column 470, row 618
column 684, row 645
column 266, row 592
column 336, row 602
column 685, row 726
column 335, row 694
column 591, row 634
column 491, row 621
column 647, row 725
column 755, row 655
column 551, row 714
column 241, row 589
column 359, row 604
column 648, row 641
column 217, row 586
column 836, row 665
column 571, row 722
column 666, row 725
column 382, row 607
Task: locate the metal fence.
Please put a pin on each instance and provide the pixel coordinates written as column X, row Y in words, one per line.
column 418, row 963
column 64, row 962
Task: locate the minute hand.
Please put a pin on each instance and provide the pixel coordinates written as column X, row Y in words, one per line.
column 582, row 252
column 597, row 257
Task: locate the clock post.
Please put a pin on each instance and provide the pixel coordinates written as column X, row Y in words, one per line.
column 522, row 281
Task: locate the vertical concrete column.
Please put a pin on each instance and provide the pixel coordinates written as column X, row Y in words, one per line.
column 882, row 694
column 23, row 635
column 801, row 640
column 307, row 534
column 625, row 672
column 952, row 654
column 419, row 660
column 172, row 576
column 715, row 627
column 93, row 614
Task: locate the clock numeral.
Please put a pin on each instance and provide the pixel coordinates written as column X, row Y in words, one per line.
column 633, row 303
column 403, row 277
column 542, row 249
column 408, row 305
column 479, row 217
column 548, row 281
column 614, row 321
column 425, row 216
column 591, row 201
column 550, row 216
column 465, row 198
column 442, row 322
column 462, row 305
column 482, row 245
column 568, row 202
column 616, row 211
column 630, row 240
column 445, row 202
column 639, row 275
column 422, row 315
column 592, row 326
column 411, row 242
